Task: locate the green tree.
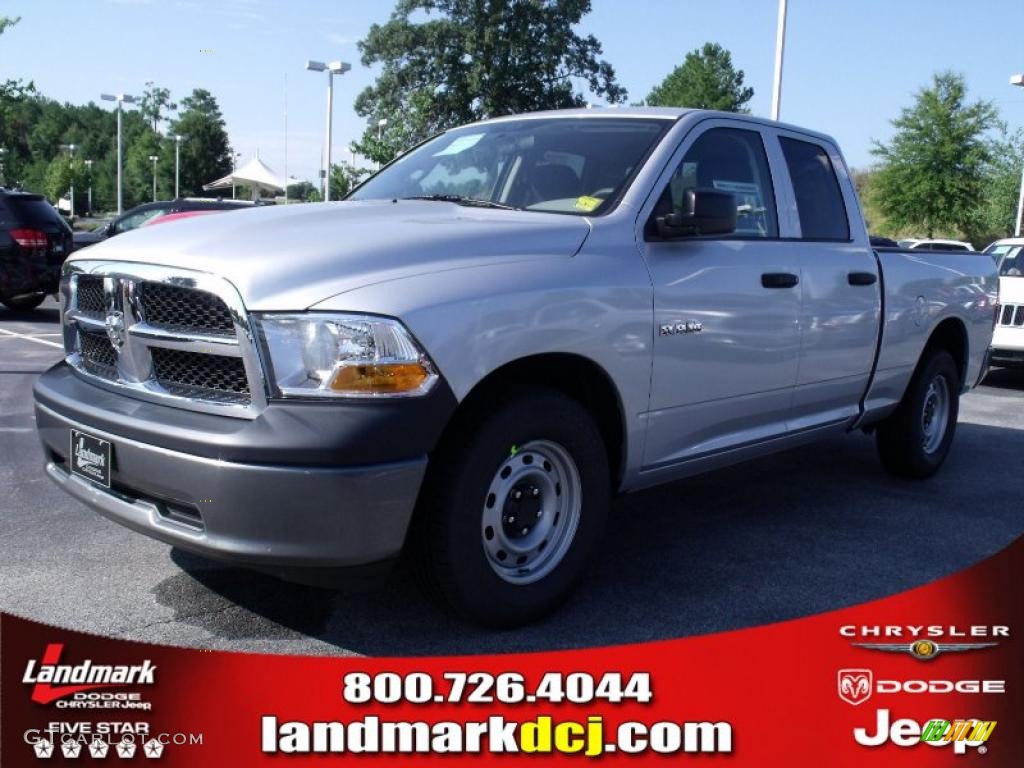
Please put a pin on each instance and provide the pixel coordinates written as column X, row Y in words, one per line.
column 344, row 177
column 205, row 153
column 448, row 62
column 997, row 214
column 931, row 175
column 156, row 104
column 8, row 21
column 138, row 168
column 706, row 79
column 13, row 94
column 301, row 192
column 63, row 172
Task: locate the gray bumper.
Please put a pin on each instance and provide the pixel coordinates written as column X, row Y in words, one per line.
column 273, row 517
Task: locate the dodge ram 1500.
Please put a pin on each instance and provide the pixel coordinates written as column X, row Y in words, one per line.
column 504, row 327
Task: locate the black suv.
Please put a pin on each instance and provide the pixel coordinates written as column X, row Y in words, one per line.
column 34, row 241
column 140, row 214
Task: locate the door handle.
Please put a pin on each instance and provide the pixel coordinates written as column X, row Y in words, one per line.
column 779, row 279
column 862, row 278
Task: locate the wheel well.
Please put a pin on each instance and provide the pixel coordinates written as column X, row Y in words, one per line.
column 576, row 376
column 951, row 335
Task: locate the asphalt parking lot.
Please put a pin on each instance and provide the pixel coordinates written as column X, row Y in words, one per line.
column 799, row 533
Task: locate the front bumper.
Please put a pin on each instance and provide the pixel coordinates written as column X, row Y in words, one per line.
column 303, row 510
column 1007, row 357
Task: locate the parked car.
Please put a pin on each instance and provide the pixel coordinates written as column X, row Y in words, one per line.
column 936, row 245
column 140, row 214
column 489, row 338
column 1008, row 339
column 169, row 217
column 34, row 241
column 879, row 241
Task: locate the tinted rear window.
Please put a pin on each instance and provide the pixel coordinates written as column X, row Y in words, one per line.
column 30, row 212
column 819, row 200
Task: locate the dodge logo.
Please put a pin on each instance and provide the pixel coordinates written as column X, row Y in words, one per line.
column 114, row 323
column 855, row 685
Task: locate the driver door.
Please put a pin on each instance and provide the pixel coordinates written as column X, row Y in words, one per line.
column 726, row 307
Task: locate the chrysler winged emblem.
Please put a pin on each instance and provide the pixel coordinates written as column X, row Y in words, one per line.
column 855, row 685
column 114, row 323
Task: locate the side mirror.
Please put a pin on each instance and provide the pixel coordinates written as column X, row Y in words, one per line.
column 705, row 212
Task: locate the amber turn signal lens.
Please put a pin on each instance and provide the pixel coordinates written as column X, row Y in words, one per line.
column 379, row 377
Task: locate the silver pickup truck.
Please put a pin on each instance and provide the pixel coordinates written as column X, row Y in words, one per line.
column 509, row 324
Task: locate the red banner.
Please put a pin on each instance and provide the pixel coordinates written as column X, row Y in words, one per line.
column 929, row 677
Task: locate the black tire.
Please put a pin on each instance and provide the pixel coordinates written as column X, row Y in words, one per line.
column 904, row 444
column 452, row 520
column 24, row 303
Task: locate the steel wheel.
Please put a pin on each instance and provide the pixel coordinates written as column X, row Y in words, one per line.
column 935, row 414
column 531, row 512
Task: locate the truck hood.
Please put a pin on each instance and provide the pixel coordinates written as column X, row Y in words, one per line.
column 291, row 257
column 1011, row 290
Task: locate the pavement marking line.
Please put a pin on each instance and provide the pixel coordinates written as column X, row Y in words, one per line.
column 32, row 338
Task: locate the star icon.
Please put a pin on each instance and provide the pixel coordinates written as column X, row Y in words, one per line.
column 43, row 748
column 98, row 748
column 153, row 748
column 71, row 749
column 126, row 749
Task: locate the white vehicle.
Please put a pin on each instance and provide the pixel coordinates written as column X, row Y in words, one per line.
column 914, row 244
column 1008, row 339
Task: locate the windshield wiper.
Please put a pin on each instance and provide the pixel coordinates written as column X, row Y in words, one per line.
column 460, row 200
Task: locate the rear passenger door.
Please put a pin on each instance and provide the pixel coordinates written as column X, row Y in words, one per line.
column 841, row 298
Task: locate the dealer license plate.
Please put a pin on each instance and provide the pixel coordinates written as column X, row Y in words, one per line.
column 90, row 457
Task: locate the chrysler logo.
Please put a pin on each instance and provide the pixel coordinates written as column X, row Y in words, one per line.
column 114, row 323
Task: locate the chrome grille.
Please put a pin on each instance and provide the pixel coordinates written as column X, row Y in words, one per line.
column 176, row 337
column 195, row 371
column 98, row 355
column 171, row 306
column 90, row 294
column 1012, row 314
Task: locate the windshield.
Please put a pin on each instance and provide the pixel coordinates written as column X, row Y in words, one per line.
column 32, row 211
column 560, row 165
column 1010, row 259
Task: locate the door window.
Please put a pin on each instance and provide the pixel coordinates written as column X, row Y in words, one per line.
column 819, row 200
column 729, row 160
column 136, row 220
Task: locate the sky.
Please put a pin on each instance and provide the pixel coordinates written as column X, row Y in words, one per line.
column 850, row 65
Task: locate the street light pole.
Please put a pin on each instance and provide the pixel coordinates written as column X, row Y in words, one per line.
column 780, row 48
column 3, row 176
column 1019, row 80
column 234, row 169
column 71, row 151
column 121, row 98
column 380, row 136
column 154, row 158
column 333, row 68
column 177, row 165
column 88, row 164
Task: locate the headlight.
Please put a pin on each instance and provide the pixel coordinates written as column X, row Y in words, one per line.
column 333, row 355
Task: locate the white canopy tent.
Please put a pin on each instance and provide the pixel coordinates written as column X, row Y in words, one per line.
column 256, row 175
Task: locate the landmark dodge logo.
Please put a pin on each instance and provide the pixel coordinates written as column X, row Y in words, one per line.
column 80, row 677
column 855, row 685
